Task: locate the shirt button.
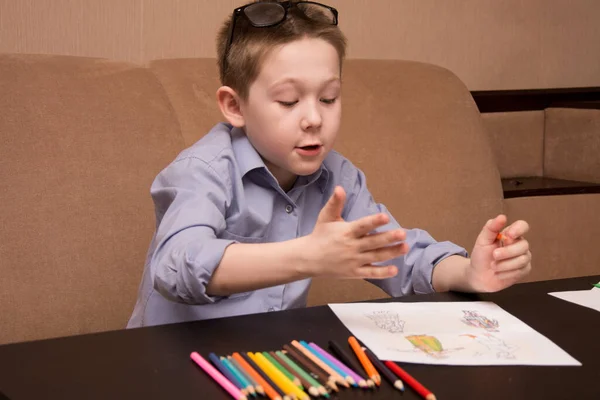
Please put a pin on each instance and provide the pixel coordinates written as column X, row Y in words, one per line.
column 289, row 208
column 271, row 308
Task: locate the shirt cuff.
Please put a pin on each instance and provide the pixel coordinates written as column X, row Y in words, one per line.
column 432, row 255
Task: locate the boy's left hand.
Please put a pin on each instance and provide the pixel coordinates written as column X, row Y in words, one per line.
column 496, row 265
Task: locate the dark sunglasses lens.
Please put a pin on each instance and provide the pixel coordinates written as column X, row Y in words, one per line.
column 264, row 14
column 318, row 13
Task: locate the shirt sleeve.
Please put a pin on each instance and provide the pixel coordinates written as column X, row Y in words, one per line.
column 190, row 201
column 415, row 268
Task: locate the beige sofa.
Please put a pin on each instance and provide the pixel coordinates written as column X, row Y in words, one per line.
column 82, row 139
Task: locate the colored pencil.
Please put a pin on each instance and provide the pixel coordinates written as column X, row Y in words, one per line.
column 312, row 370
column 364, row 360
column 314, row 388
column 283, row 369
column 218, row 377
column 385, row 371
column 227, row 372
column 260, row 384
column 596, row 285
column 278, row 377
column 288, row 368
column 286, row 396
column 301, row 359
column 350, row 362
column 346, row 372
column 248, row 377
column 262, row 374
column 410, row 381
column 309, row 354
column 240, row 377
column 334, row 367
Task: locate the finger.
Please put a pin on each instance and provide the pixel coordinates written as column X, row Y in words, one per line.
column 490, row 231
column 516, row 230
column 368, row 224
column 376, row 271
column 521, row 246
column 385, row 253
column 515, row 274
column 382, row 239
column 332, row 211
column 512, row 264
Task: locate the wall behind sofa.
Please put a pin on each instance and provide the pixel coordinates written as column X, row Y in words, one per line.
column 489, row 44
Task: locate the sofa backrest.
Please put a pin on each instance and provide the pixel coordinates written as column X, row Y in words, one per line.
column 412, row 127
column 81, row 141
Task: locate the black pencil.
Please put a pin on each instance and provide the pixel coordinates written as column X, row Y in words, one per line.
column 349, row 361
column 385, row 371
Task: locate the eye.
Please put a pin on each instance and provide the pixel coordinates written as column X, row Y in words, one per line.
column 288, row 104
column 329, row 101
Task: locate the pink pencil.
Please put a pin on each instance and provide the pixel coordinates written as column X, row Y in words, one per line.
column 217, row 376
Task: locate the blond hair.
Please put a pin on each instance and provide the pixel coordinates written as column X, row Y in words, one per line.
column 251, row 45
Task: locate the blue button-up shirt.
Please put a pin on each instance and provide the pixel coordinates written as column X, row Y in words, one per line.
column 219, row 192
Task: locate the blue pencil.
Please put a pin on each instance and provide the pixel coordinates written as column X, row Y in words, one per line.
column 228, row 374
column 243, row 371
column 239, row 375
column 331, row 365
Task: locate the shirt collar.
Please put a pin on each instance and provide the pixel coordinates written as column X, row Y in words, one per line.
column 246, row 155
column 248, row 160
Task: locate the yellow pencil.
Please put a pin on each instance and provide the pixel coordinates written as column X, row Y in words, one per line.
column 278, row 377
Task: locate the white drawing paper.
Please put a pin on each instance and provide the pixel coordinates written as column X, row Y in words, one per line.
column 449, row 333
column 587, row 298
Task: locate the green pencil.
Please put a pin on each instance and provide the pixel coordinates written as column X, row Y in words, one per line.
column 596, row 285
column 313, row 383
column 283, row 370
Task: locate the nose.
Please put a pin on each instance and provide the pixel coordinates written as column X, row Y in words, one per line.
column 311, row 118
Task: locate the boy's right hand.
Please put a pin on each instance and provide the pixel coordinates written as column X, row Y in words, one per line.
column 341, row 249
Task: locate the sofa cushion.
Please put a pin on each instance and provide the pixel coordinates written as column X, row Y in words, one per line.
column 517, row 141
column 191, row 85
column 82, row 140
column 564, row 234
column 572, row 144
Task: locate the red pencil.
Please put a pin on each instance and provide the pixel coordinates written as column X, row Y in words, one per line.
column 410, row 381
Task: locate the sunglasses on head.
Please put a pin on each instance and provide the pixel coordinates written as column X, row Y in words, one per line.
column 266, row 14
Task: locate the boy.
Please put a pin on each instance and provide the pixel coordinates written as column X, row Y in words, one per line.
column 256, row 208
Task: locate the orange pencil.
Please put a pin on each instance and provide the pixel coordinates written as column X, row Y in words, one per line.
column 364, row 360
column 272, row 393
column 503, row 239
column 261, row 383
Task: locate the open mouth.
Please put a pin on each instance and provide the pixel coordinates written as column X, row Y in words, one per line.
column 309, row 148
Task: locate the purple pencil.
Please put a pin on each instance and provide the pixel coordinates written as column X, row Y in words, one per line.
column 355, row 377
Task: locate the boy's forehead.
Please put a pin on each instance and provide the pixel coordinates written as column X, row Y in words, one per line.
column 305, row 59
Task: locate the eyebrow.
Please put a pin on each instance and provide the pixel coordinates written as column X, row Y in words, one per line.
column 295, row 81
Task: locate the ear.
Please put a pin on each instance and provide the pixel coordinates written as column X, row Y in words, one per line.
column 230, row 105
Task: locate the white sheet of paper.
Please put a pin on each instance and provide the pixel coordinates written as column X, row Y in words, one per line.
column 449, row 333
column 587, row 298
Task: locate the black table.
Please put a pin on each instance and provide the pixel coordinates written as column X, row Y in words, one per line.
column 154, row 363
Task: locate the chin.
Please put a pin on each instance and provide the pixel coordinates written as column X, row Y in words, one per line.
column 307, row 171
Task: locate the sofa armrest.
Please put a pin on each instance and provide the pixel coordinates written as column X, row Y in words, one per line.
column 564, row 233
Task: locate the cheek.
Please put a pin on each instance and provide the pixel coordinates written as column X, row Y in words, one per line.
column 334, row 117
